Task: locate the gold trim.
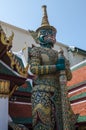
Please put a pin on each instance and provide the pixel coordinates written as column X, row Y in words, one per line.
column 14, row 88
column 36, row 69
column 47, row 69
column 43, row 87
column 3, row 95
column 16, row 64
column 4, row 87
column 5, row 40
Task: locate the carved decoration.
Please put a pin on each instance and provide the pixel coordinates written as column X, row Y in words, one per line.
column 4, row 87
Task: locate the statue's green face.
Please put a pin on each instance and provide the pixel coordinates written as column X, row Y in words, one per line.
column 46, row 37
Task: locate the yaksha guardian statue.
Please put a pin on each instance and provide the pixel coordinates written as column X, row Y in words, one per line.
column 50, row 106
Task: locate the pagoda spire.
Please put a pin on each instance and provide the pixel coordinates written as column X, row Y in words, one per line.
column 45, row 21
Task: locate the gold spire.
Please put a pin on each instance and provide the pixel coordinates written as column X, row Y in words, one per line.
column 45, row 21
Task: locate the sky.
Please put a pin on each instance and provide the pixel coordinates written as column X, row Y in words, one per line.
column 67, row 16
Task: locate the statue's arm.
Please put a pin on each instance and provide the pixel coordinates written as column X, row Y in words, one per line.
column 36, row 66
column 68, row 71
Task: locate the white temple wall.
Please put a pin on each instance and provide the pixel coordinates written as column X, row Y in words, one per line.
column 3, row 113
column 22, row 38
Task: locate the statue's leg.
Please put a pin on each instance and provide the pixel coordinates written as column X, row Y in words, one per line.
column 42, row 111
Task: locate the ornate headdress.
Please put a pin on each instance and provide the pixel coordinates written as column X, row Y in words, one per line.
column 45, row 23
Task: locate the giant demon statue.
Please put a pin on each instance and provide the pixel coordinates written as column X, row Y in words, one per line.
column 50, row 106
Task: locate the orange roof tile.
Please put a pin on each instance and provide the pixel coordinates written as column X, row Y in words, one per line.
column 79, row 75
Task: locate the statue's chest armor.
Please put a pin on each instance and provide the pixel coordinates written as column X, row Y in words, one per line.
column 48, row 56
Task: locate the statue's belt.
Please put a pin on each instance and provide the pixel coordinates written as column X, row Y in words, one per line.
column 44, row 88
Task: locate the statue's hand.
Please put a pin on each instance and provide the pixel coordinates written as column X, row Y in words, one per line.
column 60, row 65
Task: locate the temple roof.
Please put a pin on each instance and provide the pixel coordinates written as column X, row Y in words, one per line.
column 78, row 96
column 77, row 91
column 79, row 75
column 7, row 56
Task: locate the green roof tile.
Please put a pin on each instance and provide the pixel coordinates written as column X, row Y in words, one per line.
column 5, row 69
column 78, row 96
column 81, row 119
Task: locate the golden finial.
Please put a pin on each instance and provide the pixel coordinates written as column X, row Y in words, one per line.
column 11, row 37
column 45, row 21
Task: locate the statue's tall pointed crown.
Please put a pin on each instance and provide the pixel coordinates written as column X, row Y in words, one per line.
column 45, row 23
